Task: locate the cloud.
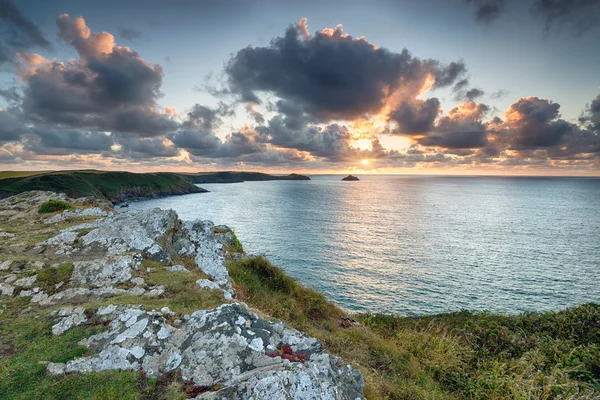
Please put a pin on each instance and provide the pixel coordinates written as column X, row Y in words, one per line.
column 462, row 128
column 487, row 11
column 578, row 16
column 56, row 141
column 146, row 148
column 331, row 75
column 129, row 34
column 17, row 33
column 474, row 93
column 534, row 123
column 415, row 118
column 333, row 142
column 110, row 88
column 11, row 127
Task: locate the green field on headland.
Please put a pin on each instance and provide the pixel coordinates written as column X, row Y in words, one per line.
column 113, row 186
column 123, row 186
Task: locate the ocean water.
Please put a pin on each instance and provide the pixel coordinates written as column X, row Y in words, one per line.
column 415, row 245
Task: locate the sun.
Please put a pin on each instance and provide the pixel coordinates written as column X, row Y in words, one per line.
column 365, row 162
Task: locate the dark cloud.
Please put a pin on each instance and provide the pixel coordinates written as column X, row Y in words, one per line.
column 578, row 16
column 534, row 123
column 109, row 88
column 143, row 148
column 129, row 34
column 206, row 118
column 417, row 117
column 333, row 142
column 498, row 94
column 256, row 115
column 532, row 129
column 591, row 116
column 11, row 95
column 456, row 140
column 331, row 75
column 462, row 128
column 56, row 141
column 474, row 93
column 486, row 11
column 196, row 135
column 17, row 33
column 11, row 127
column 460, row 85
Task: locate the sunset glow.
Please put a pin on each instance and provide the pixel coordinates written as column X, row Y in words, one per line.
column 113, row 98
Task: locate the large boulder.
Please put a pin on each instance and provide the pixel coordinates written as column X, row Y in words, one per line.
column 245, row 355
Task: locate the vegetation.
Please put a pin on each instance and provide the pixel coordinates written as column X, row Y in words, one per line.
column 48, row 278
column 237, row 177
column 18, row 174
column 113, row 186
column 54, row 205
column 447, row 356
column 455, row 355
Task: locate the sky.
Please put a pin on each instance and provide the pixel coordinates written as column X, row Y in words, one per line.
column 388, row 86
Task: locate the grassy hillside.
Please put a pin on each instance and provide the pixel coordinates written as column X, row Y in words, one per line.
column 113, row 186
column 236, row 177
column 448, row 356
column 20, row 174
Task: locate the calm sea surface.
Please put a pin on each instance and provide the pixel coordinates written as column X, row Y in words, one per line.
column 419, row 245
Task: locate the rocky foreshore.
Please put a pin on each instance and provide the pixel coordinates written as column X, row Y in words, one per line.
column 92, row 267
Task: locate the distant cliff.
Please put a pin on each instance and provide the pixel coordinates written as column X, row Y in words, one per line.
column 113, row 186
column 237, row 177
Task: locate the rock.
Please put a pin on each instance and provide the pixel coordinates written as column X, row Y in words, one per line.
column 121, row 233
column 71, row 318
column 177, row 268
column 206, row 284
column 228, row 346
column 5, row 265
column 26, row 282
column 6, row 289
column 222, row 346
column 350, row 178
column 105, row 271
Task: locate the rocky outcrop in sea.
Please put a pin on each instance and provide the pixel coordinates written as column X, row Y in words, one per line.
column 230, row 351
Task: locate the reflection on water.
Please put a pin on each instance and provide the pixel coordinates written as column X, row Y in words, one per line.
column 420, row 245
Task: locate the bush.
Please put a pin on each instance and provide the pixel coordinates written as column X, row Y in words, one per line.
column 54, row 205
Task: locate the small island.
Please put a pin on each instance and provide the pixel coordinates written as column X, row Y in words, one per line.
column 351, row 178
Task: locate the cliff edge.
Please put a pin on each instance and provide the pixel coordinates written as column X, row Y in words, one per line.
column 116, row 279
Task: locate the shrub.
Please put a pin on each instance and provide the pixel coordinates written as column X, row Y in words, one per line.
column 54, row 205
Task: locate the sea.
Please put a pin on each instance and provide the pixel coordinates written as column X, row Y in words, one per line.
column 419, row 245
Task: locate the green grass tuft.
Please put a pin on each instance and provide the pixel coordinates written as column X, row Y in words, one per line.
column 48, row 278
column 51, row 206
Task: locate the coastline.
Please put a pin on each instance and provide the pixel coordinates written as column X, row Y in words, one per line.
column 452, row 355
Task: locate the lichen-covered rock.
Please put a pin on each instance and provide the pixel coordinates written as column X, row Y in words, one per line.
column 69, row 318
column 6, row 289
column 105, row 271
column 228, row 346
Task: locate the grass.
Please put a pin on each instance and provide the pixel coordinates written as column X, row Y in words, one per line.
column 447, row 356
column 51, row 206
column 48, row 278
column 20, row 174
column 113, row 186
column 29, row 340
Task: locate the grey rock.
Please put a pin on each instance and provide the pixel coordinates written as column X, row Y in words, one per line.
column 71, row 317
column 5, row 265
column 225, row 345
column 6, row 289
column 26, row 282
column 104, row 271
